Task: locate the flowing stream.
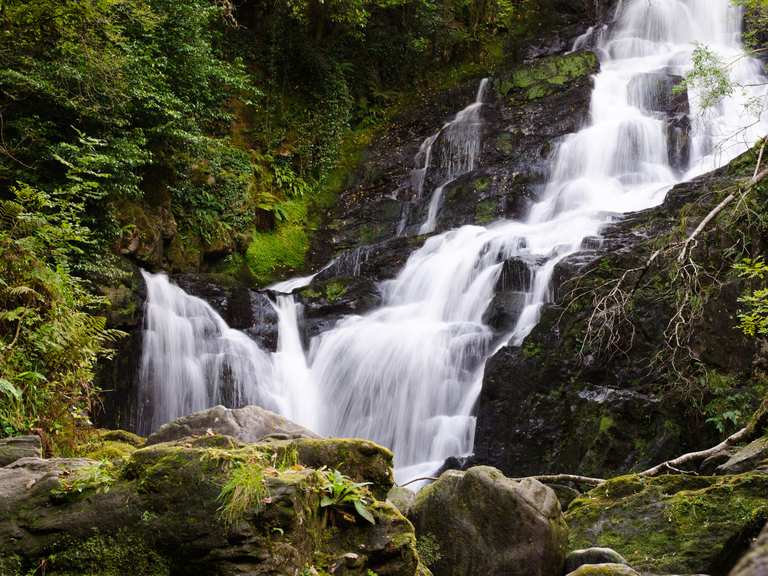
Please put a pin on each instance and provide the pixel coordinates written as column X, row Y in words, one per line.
column 408, row 373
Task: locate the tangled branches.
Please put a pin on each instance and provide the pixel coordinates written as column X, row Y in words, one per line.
column 610, row 328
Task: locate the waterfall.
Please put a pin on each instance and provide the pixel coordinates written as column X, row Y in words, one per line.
column 459, row 144
column 192, row 360
column 408, row 373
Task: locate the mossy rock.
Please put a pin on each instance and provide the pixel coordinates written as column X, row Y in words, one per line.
column 103, row 555
column 604, row 570
column 168, row 510
column 547, row 76
column 676, row 523
column 111, row 445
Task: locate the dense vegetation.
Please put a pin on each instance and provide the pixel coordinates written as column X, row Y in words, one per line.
column 188, row 135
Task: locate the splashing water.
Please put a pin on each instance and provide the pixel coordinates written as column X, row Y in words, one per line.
column 408, row 373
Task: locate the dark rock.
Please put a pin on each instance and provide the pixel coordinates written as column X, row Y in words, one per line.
column 592, row 556
column 11, row 449
column 750, row 457
column 556, row 403
column 247, row 424
column 484, row 523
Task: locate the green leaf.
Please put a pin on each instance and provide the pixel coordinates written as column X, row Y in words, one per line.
column 363, row 510
column 327, row 501
column 9, row 389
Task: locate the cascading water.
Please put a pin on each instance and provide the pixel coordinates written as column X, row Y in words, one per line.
column 408, row 374
column 192, row 360
column 459, row 149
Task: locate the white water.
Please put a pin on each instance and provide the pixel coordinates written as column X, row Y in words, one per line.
column 458, row 142
column 459, row 151
column 408, row 374
column 192, row 360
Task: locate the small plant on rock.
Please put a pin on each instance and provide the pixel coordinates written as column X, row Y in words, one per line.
column 244, row 490
column 339, row 492
column 98, row 477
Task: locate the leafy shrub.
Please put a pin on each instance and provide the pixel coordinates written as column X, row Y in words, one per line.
column 339, row 492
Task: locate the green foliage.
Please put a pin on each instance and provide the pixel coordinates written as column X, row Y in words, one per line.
column 754, row 321
column 335, row 290
column 429, row 549
column 339, row 491
column 728, row 405
column 245, row 491
column 50, row 334
column 98, row 477
column 709, row 76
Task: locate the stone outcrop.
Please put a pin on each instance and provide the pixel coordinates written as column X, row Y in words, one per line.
column 562, row 402
column 11, row 449
column 754, row 562
column 578, row 558
column 247, row 424
column 167, row 511
column 479, row 522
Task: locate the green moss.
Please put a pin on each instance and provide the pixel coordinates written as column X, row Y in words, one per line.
column 106, row 556
column 428, row 548
column 547, row 76
column 531, row 349
column 334, row 290
column 10, row 565
column 283, row 251
column 670, row 523
column 606, row 423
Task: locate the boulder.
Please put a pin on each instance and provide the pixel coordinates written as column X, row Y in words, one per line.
column 675, row 524
column 481, row 522
column 11, row 449
column 168, row 510
column 750, row 457
column 754, row 562
column 247, row 424
column 606, row 569
column 402, row 498
column 578, row 558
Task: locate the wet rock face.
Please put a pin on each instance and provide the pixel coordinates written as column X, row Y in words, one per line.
column 554, row 404
column 375, row 225
column 480, row 522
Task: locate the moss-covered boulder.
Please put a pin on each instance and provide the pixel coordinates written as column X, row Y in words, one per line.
column 577, row 558
column 206, row 505
column 672, row 524
column 547, row 76
column 480, row 522
column 607, row 569
column 110, row 445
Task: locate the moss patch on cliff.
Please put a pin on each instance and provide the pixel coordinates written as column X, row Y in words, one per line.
column 547, row 76
column 675, row 523
column 103, row 555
